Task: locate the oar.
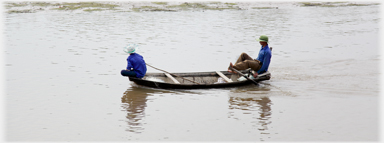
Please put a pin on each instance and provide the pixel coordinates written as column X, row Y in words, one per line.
column 243, row 75
column 171, row 73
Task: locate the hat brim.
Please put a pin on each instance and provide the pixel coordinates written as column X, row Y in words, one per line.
column 261, row 40
column 130, row 52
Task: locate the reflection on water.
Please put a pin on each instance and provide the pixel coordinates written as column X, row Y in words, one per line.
column 265, row 112
column 134, row 101
column 259, row 106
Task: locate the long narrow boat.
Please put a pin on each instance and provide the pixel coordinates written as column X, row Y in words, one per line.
column 196, row 80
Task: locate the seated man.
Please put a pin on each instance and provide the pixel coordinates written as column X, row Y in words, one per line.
column 260, row 64
column 136, row 65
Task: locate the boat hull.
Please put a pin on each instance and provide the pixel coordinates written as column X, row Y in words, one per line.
column 206, row 80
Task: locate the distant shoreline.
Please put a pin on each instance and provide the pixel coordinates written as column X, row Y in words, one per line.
column 138, row 6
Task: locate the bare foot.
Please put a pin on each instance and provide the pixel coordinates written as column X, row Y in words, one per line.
column 231, row 65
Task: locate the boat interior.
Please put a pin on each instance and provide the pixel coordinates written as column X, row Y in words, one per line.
column 199, row 77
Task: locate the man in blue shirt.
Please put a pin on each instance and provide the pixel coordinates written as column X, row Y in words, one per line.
column 260, row 64
column 136, row 65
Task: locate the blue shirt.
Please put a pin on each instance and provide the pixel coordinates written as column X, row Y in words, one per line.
column 137, row 62
column 265, row 58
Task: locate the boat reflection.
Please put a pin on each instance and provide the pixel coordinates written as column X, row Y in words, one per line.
column 255, row 102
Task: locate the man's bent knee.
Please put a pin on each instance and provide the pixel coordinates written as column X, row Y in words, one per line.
column 128, row 73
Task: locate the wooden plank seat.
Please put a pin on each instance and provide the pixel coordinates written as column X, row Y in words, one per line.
column 223, row 76
column 171, row 77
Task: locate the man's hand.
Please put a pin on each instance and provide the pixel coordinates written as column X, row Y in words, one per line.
column 255, row 75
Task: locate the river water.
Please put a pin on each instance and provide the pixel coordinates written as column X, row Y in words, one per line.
column 63, row 83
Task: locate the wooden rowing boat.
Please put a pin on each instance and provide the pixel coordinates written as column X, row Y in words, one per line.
column 196, row 80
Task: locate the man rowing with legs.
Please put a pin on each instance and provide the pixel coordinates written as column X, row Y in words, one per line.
column 260, row 64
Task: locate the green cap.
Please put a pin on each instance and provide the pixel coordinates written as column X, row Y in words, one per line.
column 263, row 38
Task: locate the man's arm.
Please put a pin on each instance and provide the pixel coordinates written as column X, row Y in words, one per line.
column 129, row 66
column 266, row 61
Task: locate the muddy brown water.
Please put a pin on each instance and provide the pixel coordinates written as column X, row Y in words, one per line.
column 62, row 80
